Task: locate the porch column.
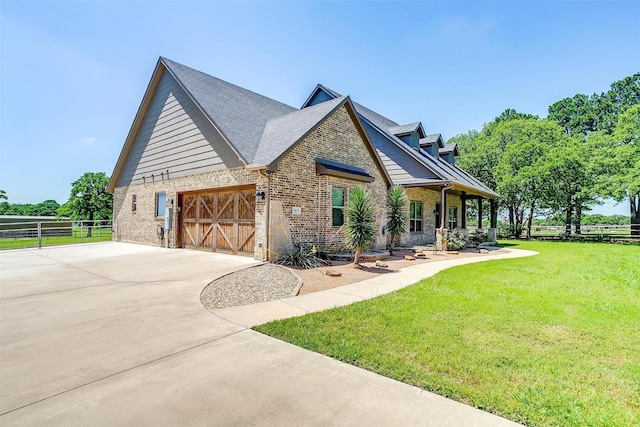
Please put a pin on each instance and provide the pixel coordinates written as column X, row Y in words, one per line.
column 494, row 214
column 479, row 213
column 443, row 208
column 443, row 220
column 463, row 201
column 493, row 227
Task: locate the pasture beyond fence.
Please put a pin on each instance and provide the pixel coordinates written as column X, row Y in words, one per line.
column 19, row 232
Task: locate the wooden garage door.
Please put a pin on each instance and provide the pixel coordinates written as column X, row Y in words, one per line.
column 219, row 220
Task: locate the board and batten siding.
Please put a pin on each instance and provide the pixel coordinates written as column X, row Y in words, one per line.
column 176, row 136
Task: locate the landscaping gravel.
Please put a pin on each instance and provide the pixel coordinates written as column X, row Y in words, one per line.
column 261, row 283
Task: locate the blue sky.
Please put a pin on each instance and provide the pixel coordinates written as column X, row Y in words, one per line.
column 72, row 74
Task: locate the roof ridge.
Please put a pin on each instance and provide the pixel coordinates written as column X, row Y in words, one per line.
column 165, row 59
column 311, row 108
column 296, row 128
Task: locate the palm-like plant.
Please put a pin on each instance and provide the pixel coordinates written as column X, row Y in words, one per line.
column 359, row 229
column 397, row 216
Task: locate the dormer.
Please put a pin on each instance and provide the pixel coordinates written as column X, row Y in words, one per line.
column 410, row 134
column 432, row 144
column 320, row 94
column 449, row 152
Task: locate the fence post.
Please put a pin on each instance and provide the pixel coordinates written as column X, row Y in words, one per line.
column 39, row 235
column 81, row 232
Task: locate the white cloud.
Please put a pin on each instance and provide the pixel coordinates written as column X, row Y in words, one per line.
column 89, row 139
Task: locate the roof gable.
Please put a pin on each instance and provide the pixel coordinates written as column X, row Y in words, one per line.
column 239, row 114
column 320, row 94
column 281, row 134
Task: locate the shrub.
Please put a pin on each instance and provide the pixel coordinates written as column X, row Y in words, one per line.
column 359, row 230
column 397, row 217
column 477, row 238
column 455, row 240
column 299, row 257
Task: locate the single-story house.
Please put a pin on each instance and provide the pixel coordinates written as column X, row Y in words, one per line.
column 238, row 172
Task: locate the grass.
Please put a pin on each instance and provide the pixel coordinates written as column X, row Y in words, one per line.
column 79, row 236
column 550, row 340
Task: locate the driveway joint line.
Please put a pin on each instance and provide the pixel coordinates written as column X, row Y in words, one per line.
column 231, row 321
column 166, row 356
column 296, row 306
column 74, row 266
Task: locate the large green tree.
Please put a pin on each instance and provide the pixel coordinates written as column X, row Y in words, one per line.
column 609, row 105
column 511, row 156
column 576, row 115
column 582, row 114
column 570, row 181
column 524, row 177
column 619, row 159
column 89, row 198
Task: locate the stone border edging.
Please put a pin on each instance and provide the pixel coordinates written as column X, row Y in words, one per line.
column 296, row 290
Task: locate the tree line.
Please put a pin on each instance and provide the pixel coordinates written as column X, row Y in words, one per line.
column 88, row 200
column 586, row 150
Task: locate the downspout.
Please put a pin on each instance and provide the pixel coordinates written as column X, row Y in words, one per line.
column 267, row 173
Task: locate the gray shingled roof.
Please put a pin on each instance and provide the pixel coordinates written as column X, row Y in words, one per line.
column 239, row 114
column 374, row 117
column 448, row 148
column 430, row 139
column 446, row 171
column 361, row 109
column 281, row 133
column 404, row 129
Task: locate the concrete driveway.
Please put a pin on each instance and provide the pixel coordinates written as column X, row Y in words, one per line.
column 114, row 334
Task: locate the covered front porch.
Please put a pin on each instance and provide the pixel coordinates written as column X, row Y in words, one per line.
column 467, row 195
column 437, row 208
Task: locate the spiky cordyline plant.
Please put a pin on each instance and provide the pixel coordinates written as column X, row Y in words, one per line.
column 397, row 216
column 359, row 229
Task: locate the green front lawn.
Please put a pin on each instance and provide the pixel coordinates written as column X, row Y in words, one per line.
column 552, row 339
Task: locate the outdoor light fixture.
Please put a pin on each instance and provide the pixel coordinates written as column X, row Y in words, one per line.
column 259, row 196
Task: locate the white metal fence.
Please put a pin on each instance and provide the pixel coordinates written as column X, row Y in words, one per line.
column 29, row 234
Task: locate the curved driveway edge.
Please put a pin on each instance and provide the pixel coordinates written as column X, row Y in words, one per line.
column 258, row 314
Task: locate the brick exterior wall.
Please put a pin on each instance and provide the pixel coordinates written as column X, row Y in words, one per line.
column 295, row 184
column 429, row 199
column 140, row 226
